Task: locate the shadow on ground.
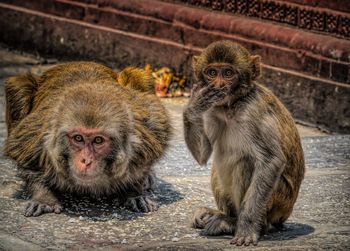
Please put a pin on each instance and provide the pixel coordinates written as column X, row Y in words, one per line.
column 106, row 208
column 289, row 231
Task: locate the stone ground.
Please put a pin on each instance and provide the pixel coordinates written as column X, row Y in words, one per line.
column 320, row 219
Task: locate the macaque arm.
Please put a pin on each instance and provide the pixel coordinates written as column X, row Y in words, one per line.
column 195, row 137
column 20, row 91
column 42, row 199
column 202, row 99
column 267, row 172
column 24, row 143
column 24, row 146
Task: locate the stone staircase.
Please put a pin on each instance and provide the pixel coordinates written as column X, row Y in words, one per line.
column 304, row 44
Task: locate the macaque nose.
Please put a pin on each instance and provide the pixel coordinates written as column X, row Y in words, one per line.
column 85, row 164
column 87, row 157
column 87, row 161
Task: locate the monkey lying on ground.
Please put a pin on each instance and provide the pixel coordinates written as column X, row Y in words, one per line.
column 258, row 162
column 82, row 128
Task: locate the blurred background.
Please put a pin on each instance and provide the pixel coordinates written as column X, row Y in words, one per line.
column 304, row 44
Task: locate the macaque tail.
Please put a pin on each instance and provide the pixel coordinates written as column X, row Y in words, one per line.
column 20, row 91
column 137, row 79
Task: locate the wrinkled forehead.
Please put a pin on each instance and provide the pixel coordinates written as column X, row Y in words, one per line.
column 92, row 109
column 111, row 124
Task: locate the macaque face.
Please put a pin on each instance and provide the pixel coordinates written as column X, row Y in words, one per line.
column 220, row 74
column 89, row 150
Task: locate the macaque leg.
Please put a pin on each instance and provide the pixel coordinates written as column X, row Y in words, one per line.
column 252, row 216
column 43, row 201
column 213, row 221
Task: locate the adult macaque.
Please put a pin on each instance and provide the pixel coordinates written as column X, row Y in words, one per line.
column 82, row 128
column 258, row 162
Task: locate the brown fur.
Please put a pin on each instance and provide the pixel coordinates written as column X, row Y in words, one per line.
column 40, row 111
column 137, row 79
column 258, row 161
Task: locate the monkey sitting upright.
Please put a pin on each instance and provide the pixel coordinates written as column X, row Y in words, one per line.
column 258, row 162
column 82, row 128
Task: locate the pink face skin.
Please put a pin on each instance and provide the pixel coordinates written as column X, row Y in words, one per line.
column 89, row 147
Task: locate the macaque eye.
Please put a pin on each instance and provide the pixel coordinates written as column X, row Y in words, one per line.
column 78, row 138
column 98, row 140
column 211, row 72
column 228, row 73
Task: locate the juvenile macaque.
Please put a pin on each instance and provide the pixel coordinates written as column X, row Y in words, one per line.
column 258, row 162
column 82, row 128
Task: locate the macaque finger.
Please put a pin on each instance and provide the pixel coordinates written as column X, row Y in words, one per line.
column 151, row 204
column 247, row 241
column 132, row 205
column 142, row 205
column 195, row 89
column 30, row 209
column 57, row 208
column 39, row 210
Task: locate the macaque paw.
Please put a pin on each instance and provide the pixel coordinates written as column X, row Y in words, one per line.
column 35, row 208
column 201, row 217
column 245, row 239
column 142, row 203
column 218, row 225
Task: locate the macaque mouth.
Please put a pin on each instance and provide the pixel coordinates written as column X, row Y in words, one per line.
column 84, row 178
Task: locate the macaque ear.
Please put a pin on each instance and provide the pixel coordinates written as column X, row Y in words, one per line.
column 256, row 66
column 194, row 61
column 195, row 66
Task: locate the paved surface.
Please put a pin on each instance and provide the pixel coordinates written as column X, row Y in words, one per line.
column 320, row 219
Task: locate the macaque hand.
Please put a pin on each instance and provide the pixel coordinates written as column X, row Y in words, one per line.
column 35, row 208
column 203, row 99
column 141, row 204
